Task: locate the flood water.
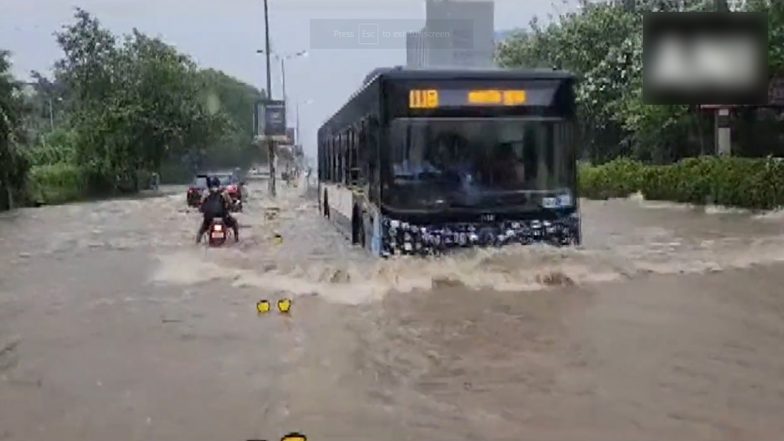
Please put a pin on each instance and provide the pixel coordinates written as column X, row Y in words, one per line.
column 667, row 324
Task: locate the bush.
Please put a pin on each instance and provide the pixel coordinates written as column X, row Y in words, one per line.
column 618, row 178
column 56, row 183
column 741, row 182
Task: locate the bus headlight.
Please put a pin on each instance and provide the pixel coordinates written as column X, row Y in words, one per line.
column 565, row 200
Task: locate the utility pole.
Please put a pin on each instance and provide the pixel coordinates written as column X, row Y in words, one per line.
column 283, row 77
column 270, row 144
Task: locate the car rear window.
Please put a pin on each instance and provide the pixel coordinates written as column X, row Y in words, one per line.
column 200, row 182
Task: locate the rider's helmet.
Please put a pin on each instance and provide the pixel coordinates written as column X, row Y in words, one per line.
column 213, row 184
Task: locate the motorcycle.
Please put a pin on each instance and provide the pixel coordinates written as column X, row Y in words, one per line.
column 218, row 233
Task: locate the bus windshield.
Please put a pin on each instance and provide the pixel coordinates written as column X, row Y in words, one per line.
column 477, row 162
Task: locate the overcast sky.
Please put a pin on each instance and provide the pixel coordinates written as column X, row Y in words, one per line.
column 224, row 34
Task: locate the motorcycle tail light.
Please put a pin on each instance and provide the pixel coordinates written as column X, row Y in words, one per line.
column 218, row 228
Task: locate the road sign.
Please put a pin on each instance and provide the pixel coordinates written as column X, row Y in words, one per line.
column 270, row 118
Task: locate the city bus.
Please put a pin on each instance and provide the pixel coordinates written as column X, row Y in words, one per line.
column 426, row 161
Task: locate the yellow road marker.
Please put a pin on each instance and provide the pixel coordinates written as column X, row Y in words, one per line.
column 263, row 306
column 294, row 437
column 284, row 306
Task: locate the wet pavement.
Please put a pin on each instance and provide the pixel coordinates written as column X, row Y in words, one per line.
column 667, row 324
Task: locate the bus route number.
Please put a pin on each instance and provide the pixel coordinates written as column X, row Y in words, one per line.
column 423, row 99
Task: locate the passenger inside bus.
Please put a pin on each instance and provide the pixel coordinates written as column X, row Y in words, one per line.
column 454, row 159
column 508, row 171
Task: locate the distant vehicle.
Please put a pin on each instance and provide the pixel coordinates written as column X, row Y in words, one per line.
column 233, row 185
column 196, row 190
column 229, row 182
column 423, row 161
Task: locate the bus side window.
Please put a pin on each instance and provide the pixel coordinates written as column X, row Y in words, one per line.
column 333, row 159
column 328, row 159
column 336, row 160
column 325, row 160
column 344, row 157
column 362, row 153
column 349, row 178
column 374, row 175
column 343, row 145
column 355, row 173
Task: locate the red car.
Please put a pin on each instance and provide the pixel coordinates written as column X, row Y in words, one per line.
column 229, row 182
column 196, row 190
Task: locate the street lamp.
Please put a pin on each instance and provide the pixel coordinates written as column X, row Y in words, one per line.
column 270, row 144
column 282, row 58
column 268, row 52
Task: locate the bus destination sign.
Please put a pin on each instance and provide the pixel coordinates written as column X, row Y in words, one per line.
column 435, row 98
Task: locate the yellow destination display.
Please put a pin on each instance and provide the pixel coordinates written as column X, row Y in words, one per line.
column 423, row 99
column 514, row 97
column 498, row 97
column 484, row 97
column 435, row 98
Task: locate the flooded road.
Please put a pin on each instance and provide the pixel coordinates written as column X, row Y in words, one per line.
column 668, row 324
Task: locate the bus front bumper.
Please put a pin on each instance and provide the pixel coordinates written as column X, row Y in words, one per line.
column 402, row 238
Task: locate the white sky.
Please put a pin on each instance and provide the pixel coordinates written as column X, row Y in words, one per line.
column 224, row 34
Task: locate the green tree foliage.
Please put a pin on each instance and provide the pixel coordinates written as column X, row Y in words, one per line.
column 13, row 164
column 236, row 100
column 775, row 11
column 131, row 104
column 602, row 44
column 115, row 109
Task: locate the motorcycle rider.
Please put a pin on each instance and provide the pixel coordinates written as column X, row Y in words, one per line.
column 216, row 205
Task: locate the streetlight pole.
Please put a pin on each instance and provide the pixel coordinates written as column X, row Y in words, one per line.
column 283, row 77
column 270, row 144
column 268, row 53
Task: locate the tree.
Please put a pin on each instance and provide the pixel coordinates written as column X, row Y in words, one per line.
column 236, row 100
column 601, row 43
column 13, row 164
column 132, row 104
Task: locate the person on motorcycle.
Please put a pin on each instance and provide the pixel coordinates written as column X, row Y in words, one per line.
column 216, row 205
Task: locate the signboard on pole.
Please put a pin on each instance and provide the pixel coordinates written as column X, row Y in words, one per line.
column 271, row 120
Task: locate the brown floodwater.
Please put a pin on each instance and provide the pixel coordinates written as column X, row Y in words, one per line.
column 666, row 324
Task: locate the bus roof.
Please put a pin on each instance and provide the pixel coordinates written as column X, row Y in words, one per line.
column 400, row 73
column 407, row 73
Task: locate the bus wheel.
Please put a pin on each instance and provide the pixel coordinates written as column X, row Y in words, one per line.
column 326, row 205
